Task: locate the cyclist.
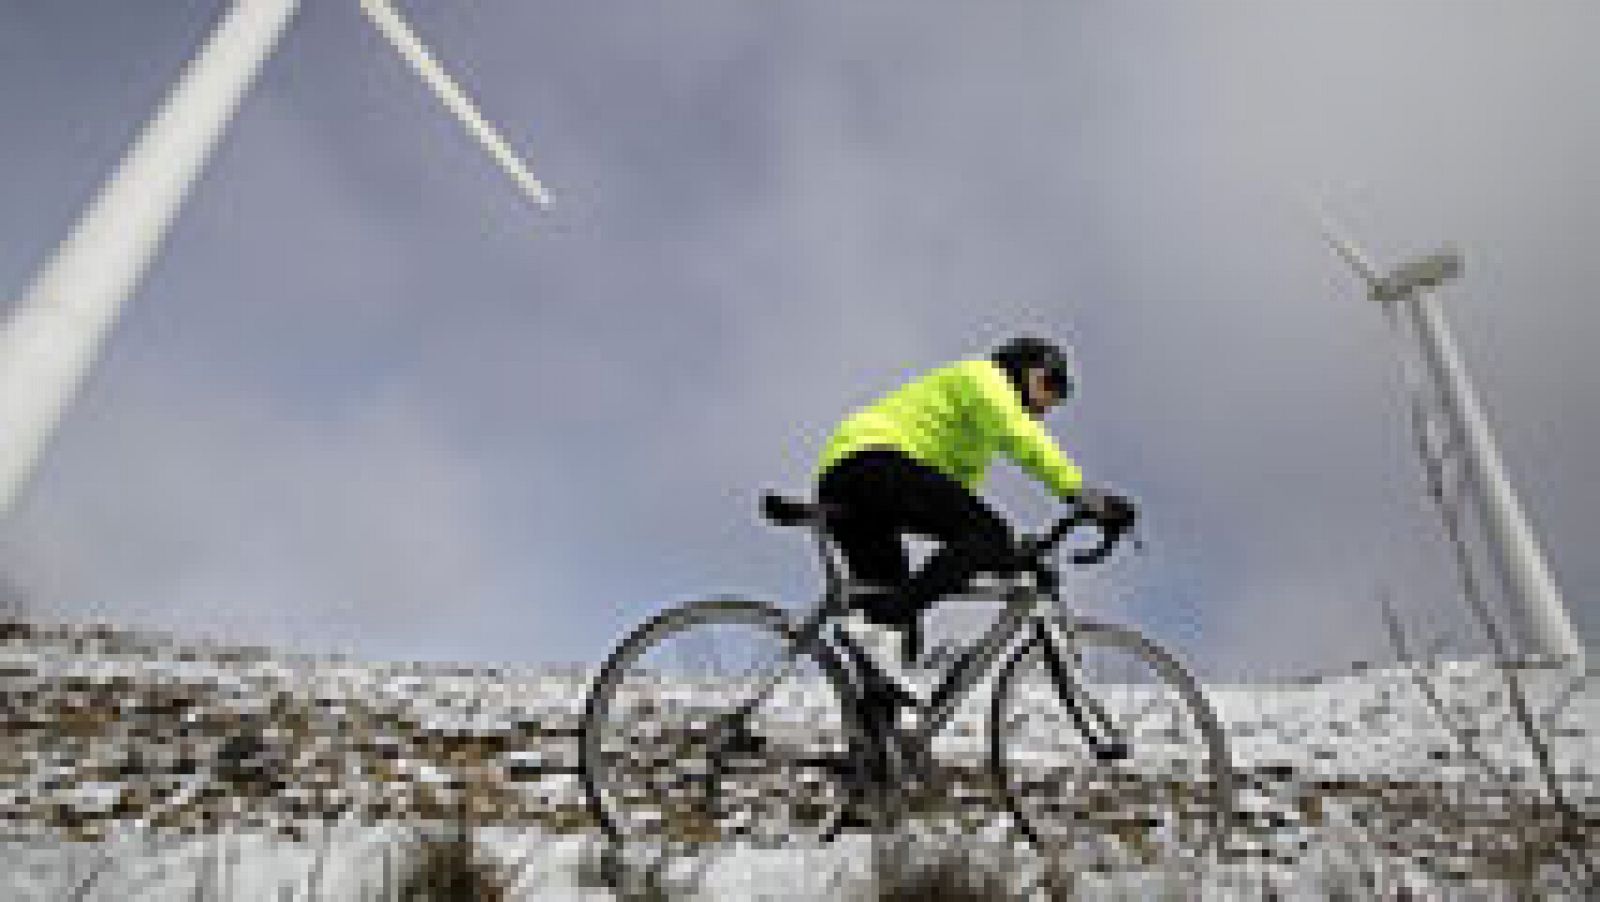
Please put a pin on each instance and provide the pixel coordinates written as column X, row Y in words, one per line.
column 911, row 463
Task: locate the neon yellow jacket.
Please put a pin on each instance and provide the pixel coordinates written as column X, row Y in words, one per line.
column 955, row 419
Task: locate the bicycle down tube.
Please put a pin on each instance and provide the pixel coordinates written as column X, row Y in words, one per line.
column 970, row 668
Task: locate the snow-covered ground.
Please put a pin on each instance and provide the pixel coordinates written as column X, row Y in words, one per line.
column 135, row 769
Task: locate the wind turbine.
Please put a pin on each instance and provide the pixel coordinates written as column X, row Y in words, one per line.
column 1530, row 589
column 55, row 331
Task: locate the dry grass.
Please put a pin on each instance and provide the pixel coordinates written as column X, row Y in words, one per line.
column 605, row 866
column 911, row 870
column 447, row 869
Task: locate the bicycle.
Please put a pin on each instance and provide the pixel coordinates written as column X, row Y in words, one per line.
column 756, row 730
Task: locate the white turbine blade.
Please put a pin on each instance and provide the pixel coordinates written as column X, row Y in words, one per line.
column 1343, row 246
column 54, row 333
column 400, row 35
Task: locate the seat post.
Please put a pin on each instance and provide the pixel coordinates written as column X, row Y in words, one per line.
column 832, row 565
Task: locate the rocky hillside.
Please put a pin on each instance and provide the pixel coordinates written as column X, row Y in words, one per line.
column 106, row 731
column 104, row 727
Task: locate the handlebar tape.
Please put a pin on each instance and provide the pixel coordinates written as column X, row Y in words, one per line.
column 1110, row 534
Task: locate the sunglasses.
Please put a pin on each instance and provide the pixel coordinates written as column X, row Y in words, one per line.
column 1060, row 383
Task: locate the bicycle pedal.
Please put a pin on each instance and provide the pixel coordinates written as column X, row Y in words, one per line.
column 889, row 696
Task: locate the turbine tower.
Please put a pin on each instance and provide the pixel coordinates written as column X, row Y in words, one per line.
column 1529, row 588
column 53, row 335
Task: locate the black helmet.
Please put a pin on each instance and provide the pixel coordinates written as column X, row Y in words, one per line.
column 1019, row 355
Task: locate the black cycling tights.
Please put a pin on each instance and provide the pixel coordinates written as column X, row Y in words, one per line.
column 884, row 494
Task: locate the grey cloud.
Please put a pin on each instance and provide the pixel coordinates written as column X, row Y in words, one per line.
column 766, row 214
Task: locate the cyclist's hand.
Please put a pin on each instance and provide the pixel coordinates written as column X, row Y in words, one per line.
column 1115, row 513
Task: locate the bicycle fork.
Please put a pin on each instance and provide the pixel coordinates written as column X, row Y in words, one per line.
column 1105, row 741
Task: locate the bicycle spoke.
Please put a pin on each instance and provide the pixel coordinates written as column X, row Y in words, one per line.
column 712, row 727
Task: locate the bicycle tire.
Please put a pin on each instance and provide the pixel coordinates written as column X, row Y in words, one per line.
column 826, row 787
column 1109, row 824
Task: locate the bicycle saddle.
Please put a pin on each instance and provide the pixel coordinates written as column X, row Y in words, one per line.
column 783, row 511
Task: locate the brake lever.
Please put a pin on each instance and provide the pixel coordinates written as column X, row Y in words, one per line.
column 1110, row 538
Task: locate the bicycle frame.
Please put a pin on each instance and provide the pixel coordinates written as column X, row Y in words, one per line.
column 1022, row 600
column 1022, row 597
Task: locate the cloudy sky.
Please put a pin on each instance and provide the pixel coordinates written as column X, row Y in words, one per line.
column 368, row 399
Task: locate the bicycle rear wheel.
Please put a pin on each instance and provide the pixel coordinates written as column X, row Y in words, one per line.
column 708, row 723
column 1166, row 800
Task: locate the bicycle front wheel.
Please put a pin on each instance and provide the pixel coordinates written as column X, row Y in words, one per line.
column 709, row 723
column 1114, row 761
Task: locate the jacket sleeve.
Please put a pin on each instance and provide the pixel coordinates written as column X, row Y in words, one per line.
column 997, row 411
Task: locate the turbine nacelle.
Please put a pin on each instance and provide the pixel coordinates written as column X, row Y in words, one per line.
column 1417, row 275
